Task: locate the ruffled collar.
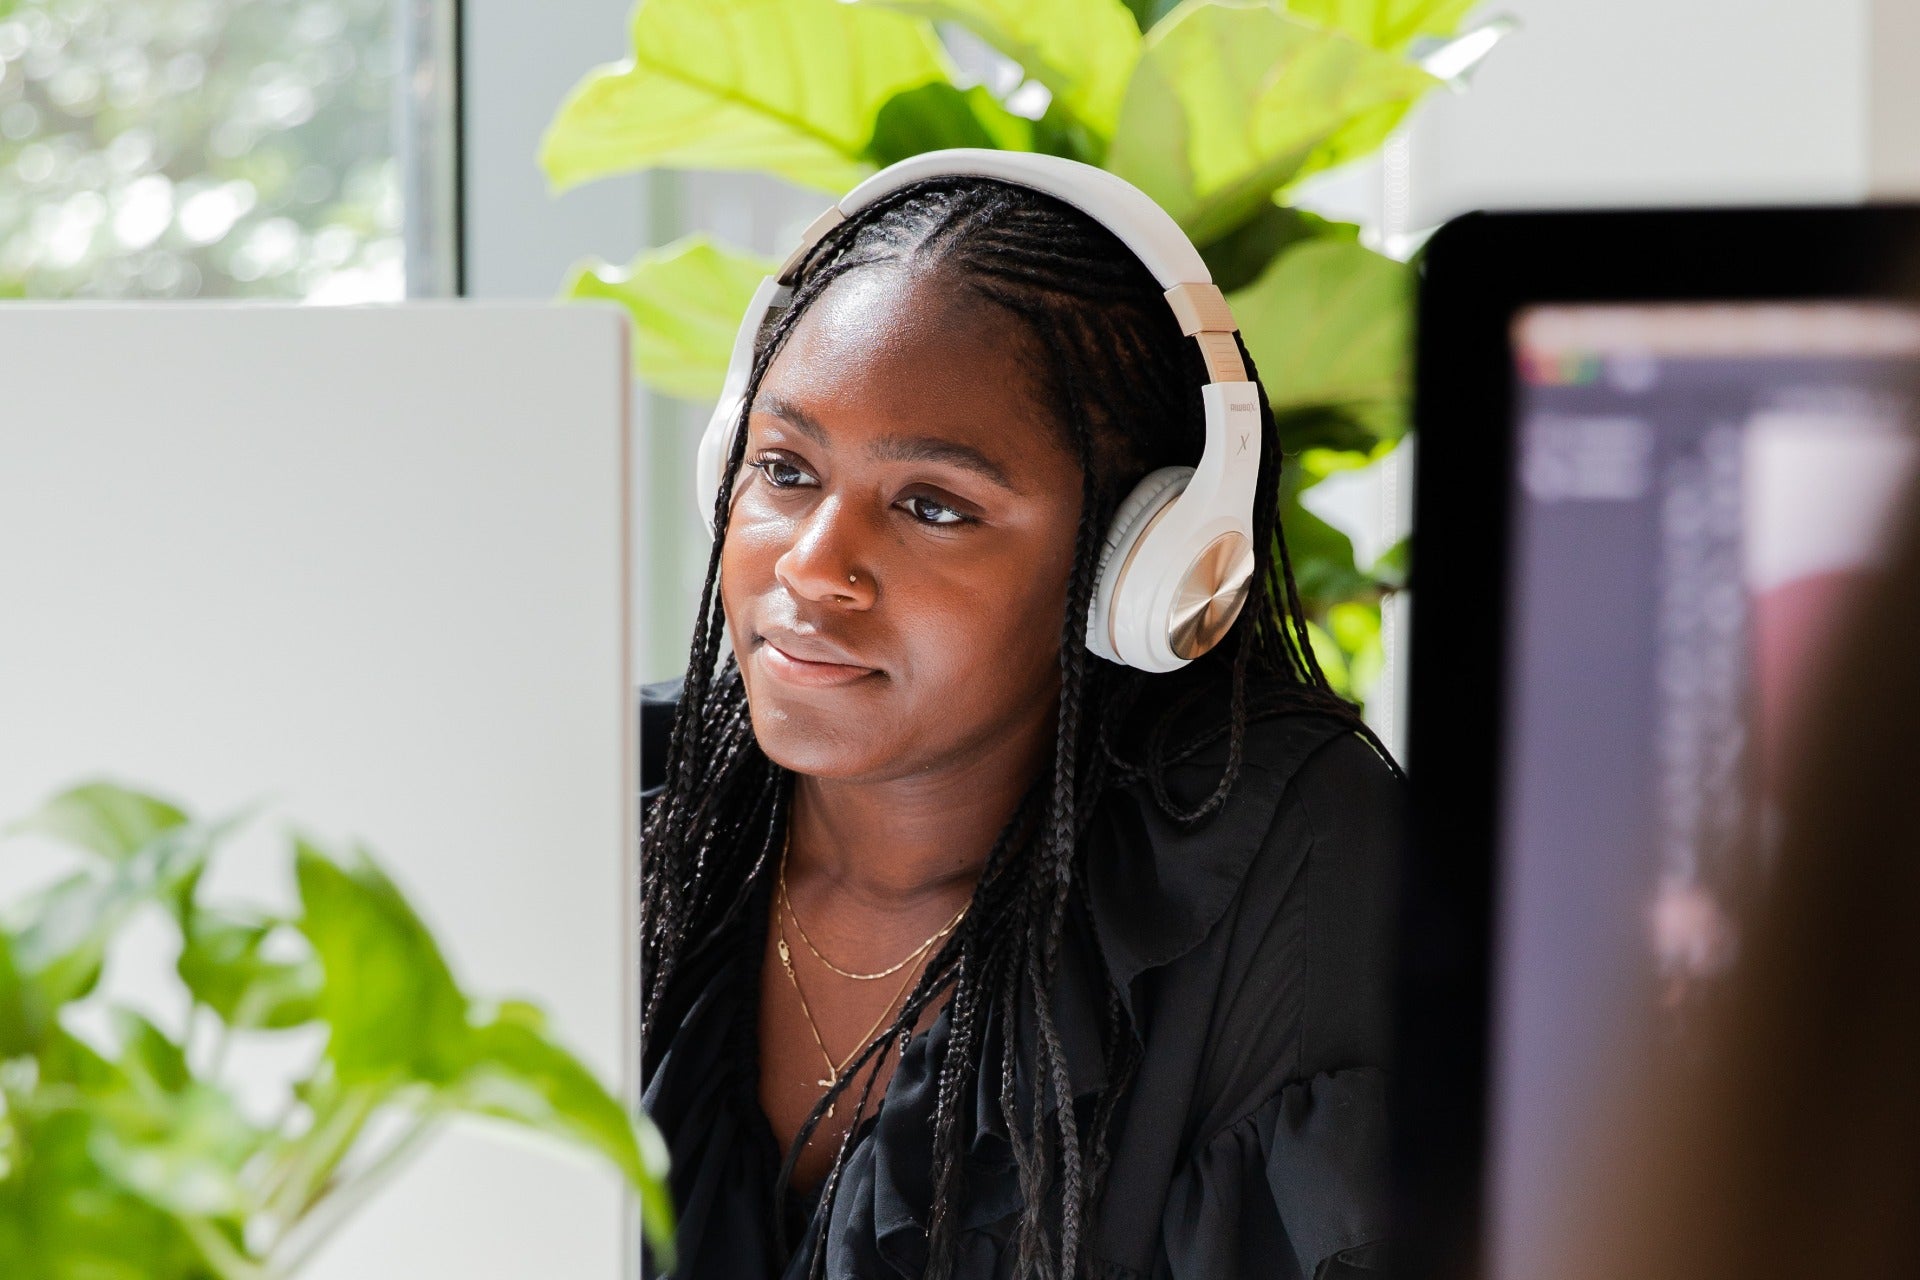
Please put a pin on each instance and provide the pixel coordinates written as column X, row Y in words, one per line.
column 1157, row 888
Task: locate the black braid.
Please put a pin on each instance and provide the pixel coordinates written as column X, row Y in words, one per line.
column 1124, row 384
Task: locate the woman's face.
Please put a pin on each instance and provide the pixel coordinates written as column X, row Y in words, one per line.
column 895, row 569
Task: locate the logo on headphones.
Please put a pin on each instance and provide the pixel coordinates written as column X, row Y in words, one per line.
column 1241, row 407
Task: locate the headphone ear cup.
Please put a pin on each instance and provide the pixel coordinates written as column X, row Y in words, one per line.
column 711, row 457
column 717, row 440
column 1111, row 599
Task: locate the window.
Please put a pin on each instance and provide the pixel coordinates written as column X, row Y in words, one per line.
column 222, row 148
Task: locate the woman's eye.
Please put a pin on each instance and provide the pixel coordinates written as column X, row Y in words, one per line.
column 928, row 511
column 780, row 473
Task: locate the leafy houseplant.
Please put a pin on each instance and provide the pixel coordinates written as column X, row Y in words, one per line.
column 131, row 1157
column 1218, row 109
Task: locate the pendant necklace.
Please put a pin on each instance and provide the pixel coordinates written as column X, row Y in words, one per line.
column 786, row 962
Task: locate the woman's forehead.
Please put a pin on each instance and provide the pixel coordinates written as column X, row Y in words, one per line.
column 887, row 345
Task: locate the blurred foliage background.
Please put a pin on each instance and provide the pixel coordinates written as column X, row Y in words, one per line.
column 209, row 148
column 128, row 1150
column 1218, row 109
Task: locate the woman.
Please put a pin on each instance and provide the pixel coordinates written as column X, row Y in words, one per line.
column 968, row 952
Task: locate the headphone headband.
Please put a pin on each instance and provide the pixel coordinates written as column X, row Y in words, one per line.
column 1130, row 213
column 1178, row 558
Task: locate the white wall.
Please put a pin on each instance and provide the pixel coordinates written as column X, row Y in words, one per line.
column 1893, row 145
column 1654, row 102
column 519, row 59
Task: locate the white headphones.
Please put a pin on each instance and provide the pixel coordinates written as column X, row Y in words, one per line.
column 1178, row 558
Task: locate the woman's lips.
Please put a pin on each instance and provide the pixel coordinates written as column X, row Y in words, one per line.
column 784, row 666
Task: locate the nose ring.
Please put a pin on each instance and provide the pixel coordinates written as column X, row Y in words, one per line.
column 851, row 577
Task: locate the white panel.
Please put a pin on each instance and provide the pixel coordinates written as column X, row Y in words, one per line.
column 1653, row 102
column 1895, row 149
column 372, row 563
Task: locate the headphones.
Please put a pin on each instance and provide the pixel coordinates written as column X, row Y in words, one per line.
column 1178, row 557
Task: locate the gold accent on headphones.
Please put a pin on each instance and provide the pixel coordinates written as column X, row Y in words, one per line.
column 1211, row 595
column 1223, row 357
column 1205, row 317
column 1201, row 308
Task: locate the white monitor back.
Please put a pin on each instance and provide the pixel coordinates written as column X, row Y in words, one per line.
column 372, row 563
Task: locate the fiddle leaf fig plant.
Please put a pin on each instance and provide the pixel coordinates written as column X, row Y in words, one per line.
column 1218, row 109
column 125, row 1150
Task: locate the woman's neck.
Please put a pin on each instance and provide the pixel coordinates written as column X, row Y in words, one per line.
column 895, row 843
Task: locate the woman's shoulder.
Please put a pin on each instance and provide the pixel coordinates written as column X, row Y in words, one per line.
column 1308, row 833
column 1254, row 952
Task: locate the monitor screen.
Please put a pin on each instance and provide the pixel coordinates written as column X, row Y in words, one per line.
column 1699, row 495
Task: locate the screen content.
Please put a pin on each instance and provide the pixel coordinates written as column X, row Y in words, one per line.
column 1700, row 496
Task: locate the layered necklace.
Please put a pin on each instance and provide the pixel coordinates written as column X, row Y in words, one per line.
column 836, row 1070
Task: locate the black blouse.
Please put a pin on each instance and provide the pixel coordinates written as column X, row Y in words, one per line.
column 1253, row 955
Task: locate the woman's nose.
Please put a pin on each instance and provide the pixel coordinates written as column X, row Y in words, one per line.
column 824, row 561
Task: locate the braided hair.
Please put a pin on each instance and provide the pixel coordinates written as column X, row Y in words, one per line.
column 1122, row 382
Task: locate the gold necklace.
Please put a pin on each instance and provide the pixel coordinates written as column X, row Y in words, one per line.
column 786, row 962
column 833, row 1072
column 911, row 956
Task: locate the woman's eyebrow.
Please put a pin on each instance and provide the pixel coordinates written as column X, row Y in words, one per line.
column 898, row 448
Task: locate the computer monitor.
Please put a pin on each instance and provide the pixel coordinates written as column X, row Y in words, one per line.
column 1659, row 455
column 369, row 565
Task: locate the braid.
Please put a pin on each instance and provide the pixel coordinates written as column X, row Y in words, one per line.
column 1122, row 379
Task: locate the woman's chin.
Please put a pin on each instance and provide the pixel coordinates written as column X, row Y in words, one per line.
column 802, row 736
column 809, row 761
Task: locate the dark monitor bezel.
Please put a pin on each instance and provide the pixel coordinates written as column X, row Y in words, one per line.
column 1478, row 272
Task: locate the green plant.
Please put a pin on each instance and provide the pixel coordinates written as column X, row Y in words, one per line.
column 127, row 1155
column 1217, row 108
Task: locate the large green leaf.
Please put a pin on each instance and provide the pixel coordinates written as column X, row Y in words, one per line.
column 786, row 86
column 933, row 116
column 1333, row 663
column 1232, row 101
column 1355, row 627
column 24, row 1016
column 686, row 300
column 65, row 1059
column 1082, row 50
column 102, row 817
column 519, row 1074
column 224, row 963
column 1329, row 326
column 187, row 1167
column 1236, row 259
column 62, row 944
column 64, row 1217
column 152, row 1064
column 389, row 998
column 1147, row 12
column 176, row 1143
column 1390, row 25
column 61, row 933
column 1322, row 556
